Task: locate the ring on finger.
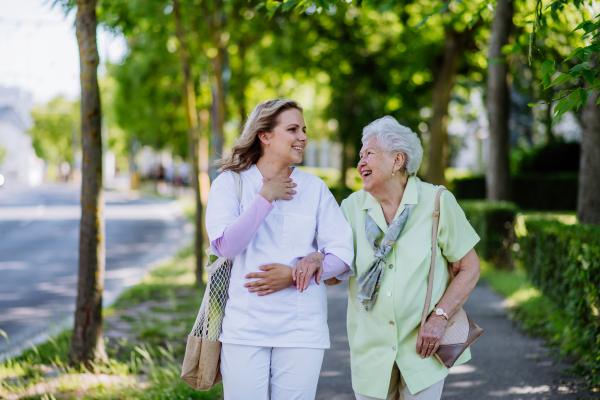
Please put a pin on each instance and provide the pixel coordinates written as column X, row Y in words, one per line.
column 431, row 344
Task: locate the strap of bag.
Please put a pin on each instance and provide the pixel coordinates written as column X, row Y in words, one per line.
column 436, row 219
column 237, row 179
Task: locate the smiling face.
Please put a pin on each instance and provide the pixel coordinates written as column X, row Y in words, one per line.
column 376, row 165
column 288, row 139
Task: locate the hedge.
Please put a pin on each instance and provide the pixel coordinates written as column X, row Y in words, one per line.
column 563, row 262
column 529, row 191
column 494, row 223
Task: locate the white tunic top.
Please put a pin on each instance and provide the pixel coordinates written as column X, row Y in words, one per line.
column 286, row 318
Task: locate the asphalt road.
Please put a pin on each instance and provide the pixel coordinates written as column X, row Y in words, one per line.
column 39, row 239
column 505, row 363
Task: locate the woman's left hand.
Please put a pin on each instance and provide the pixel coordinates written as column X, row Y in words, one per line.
column 304, row 270
column 275, row 278
column 431, row 333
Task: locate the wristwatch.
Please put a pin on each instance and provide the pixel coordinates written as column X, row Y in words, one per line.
column 440, row 311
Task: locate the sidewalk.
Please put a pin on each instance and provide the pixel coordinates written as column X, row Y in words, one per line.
column 506, row 364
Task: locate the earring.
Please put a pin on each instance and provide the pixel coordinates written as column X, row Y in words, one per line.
column 392, row 174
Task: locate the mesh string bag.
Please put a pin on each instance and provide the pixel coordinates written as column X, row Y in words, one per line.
column 202, row 361
column 201, row 365
column 210, row 317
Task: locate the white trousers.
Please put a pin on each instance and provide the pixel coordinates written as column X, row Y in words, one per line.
column 399, row 391
column 292, row 373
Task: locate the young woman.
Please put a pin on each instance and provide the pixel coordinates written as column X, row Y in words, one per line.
column 286, row 215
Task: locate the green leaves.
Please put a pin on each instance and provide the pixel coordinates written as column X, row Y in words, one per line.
column 547, row 70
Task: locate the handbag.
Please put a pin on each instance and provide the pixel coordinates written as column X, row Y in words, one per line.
column 461, row 332
column 202, row 361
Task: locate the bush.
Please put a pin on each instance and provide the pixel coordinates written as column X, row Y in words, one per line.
column 529, row 191
column 493, row 222
column 546, row 191
column 557, row 156
column 469, row 188
column 563, row 262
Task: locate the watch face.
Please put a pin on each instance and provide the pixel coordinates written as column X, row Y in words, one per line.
column 439, row 311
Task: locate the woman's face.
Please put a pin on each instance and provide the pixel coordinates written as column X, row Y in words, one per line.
column 288, row 139
column 375, row 166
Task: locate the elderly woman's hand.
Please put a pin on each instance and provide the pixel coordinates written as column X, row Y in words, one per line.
column 430, row 335
column 304, row 270
column 275, row 278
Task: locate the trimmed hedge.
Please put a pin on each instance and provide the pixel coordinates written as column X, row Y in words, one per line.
column 494, row 223
column 530, row 191
column 563, row 262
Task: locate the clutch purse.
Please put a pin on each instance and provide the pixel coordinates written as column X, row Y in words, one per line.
column 461, row 331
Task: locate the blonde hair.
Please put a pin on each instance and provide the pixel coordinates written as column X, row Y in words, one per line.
column 247, row 148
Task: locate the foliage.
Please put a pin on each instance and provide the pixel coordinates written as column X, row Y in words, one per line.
column 493, row 222
column 584, row 76
column 563, row 262
column 56, row 126
column 557, row 191
column 531, row 191
column 554, row 156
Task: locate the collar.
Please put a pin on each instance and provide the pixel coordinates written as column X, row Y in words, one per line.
column 375, row 211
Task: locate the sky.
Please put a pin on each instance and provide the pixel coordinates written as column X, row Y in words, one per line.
column 38, row 49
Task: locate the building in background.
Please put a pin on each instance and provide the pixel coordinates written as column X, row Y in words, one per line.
column 20, row 165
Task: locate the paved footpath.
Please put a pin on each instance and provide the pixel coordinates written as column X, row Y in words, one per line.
column 506, row 364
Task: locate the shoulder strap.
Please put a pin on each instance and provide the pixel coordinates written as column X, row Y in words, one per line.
column 436, row 219
column 237, row 179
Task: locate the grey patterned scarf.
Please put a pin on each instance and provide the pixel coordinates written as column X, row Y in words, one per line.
column 369, row 281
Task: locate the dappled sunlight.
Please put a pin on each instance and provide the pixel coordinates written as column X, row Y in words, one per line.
column 462, row 369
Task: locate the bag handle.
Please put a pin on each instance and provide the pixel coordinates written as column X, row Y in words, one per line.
column 436, row 219
column 237, row 179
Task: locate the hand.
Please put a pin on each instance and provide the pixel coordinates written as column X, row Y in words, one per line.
column 277, row 189
column 275, row 278
column 332, row 281
column 304, row 269
column 431, row 333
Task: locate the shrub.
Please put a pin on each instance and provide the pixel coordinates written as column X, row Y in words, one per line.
column 493, row 222
column 563, row 262
column 529, row 191
column 546, row 191
column 557, row 156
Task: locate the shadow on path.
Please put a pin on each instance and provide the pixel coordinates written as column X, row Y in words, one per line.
column 506, row 364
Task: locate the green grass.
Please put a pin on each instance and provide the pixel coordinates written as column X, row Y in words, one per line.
column 529, row 308
column 146, row 330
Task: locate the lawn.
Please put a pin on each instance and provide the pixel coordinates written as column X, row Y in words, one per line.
column 145, row 335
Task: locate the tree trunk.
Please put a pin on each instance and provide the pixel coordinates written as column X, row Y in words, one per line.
column 588, row 206
column 498, row 103
column 218, row 107
column 191, row 118
column 445, row 76
column 87, row 345
column 241, row 92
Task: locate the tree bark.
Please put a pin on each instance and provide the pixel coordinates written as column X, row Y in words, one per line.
column 498, row 105
column 87, row 344
column 191, row 118
column 445, row 77
column 588, row 205
column 218, row 106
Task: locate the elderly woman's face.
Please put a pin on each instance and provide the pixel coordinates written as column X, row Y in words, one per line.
column 375, row 166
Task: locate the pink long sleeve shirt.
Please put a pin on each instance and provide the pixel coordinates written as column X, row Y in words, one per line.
column 239, row 233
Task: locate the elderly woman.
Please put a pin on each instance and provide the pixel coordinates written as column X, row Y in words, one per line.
column 390, row 353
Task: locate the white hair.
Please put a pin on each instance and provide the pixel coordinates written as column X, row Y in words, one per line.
column 396, row 138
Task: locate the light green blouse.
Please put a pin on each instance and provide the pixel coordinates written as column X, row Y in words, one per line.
column 389, row 332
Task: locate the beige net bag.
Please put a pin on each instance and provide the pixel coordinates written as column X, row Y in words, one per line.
column 201, row 364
